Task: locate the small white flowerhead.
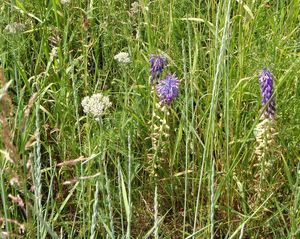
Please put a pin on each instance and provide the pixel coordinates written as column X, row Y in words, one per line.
column 95, row 105
column 134, row 8
column 14, row 27
column 53, row 54
column 122, row 57
column 65, row 1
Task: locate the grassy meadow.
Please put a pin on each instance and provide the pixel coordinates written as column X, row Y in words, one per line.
column 145, row 169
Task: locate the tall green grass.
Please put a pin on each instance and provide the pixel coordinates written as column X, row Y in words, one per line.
column 199, row 182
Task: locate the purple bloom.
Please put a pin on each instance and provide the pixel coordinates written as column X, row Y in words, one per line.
column 158, row 63
column 266, row 88
column 167, row 89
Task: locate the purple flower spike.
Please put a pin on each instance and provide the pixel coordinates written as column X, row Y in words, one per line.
column 158, row 63
column 266, row 89
column 167, row 89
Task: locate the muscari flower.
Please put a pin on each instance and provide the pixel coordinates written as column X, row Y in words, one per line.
column 158, row 63
column 96, row 105
column 266, row 88
column 265, row 131
column 122, row 57
column 167, row 89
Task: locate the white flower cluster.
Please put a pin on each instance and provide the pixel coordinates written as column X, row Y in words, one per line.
column 65, row 1
column 265, row 138
column 264, row 134
column 14, row 27
column 122, row 57
column 96, row 105
column 134, row 8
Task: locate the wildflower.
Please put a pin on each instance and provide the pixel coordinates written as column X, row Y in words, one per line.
column 134, row 8
column 266, row 88
column 265, row 131
column 122, row 57
column 167, row 89
column 65, row 1
column 158, row 63
column 14, row 27
column 53, row 54
column 96, row 105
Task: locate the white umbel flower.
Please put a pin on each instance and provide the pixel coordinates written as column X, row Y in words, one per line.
column 96, row 105
column 122, row 57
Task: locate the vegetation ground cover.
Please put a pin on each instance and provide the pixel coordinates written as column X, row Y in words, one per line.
column 90, row 148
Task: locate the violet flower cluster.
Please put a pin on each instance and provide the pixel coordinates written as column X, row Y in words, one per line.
column 167, row 88
column 157, row 62
column 266, row 88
